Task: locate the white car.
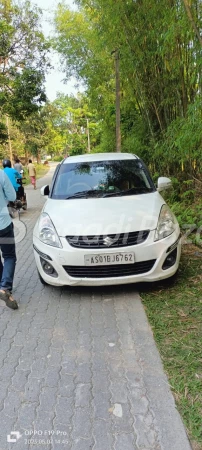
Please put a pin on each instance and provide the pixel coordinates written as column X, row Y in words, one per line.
column 105, row 223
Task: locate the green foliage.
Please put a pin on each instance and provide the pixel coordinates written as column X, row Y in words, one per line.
column 182, row 140
column 185, row 201
column 3, row 132
column 160, row 72
column 78, row 145
column 58, row 158
column 23, row 60
column 36, row 134
column 70, row 118
column 174, row 311
column 58, row 128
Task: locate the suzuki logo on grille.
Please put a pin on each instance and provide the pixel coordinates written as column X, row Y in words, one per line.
column 108, row 241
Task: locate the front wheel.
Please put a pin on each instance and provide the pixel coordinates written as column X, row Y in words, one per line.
column 41, row 279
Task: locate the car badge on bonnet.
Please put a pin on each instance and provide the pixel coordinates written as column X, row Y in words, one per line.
column 108, row 241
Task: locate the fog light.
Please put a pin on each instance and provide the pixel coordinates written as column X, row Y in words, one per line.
column 170, row 260
column 48, row 268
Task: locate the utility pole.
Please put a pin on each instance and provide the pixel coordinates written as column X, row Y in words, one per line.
column 88, row 133
column 9, row 140
column 118, row 101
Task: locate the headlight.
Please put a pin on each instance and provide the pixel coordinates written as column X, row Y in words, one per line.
column 47, row 231
column 166, row 223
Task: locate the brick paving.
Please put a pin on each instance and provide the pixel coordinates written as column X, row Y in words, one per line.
column 79, row 369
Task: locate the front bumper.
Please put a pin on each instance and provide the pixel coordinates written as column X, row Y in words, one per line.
column 146, row 251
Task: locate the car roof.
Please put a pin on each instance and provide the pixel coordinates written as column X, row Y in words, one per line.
column 99, row 157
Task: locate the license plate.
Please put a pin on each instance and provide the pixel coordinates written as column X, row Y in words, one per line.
column 107, row 259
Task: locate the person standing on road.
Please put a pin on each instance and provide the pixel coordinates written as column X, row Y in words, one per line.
column 32, row 173
column 7, row 242
column 13, row 176
column 18, row 166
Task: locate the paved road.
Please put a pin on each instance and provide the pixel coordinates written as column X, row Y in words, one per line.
column 80, row 367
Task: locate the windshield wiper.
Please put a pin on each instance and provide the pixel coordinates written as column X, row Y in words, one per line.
column 85, row 194
column 96, row 192
column 132, row 191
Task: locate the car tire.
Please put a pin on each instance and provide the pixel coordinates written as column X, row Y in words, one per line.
column 41, row 279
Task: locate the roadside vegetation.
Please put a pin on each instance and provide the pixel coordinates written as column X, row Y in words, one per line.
column 159, row 49
column 174, row 310
column 184, row 198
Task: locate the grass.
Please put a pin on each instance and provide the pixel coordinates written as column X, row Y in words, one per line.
column 174, row 310
column 41, row 170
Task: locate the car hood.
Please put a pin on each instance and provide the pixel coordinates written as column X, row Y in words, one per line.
column 105, row 215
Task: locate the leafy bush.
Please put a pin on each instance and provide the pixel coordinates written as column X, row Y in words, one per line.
column 58, row 158
column 184, row 200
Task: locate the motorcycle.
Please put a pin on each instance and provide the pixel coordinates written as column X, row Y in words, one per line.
column 21, row 199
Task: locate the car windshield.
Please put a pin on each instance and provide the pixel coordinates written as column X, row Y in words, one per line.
column 101, row 179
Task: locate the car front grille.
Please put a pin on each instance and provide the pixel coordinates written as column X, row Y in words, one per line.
column 108, row 241
column 109, row 271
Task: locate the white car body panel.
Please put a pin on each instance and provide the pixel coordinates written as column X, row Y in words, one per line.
column 105, row 215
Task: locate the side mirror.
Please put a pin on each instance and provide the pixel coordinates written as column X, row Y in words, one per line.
column 45, row 190
column 163, row 183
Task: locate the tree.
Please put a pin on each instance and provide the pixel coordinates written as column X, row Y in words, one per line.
column 23, row 60
column 60, row 127
column 37, row 133
column 85, row 55
column 73, row 118
column 160, row 67
column 192, row 20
